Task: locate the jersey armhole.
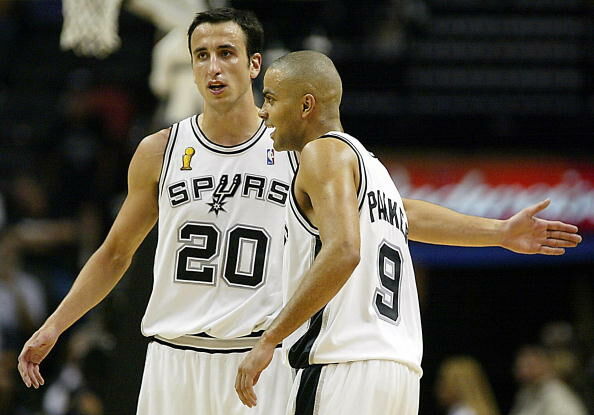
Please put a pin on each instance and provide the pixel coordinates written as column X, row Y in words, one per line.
column 167, row 156
column 362, row 188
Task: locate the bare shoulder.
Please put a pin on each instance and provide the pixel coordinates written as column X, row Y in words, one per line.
column 325, row 155
column 148, row 158
column 154, row 144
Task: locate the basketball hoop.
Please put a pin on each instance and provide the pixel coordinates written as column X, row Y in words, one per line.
column 90, row 27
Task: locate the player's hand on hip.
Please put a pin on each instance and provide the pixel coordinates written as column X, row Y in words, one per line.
column 249, row 372
column 526, row 234
column 34, row 351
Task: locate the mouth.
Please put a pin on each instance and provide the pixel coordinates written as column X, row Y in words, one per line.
column 216, row 87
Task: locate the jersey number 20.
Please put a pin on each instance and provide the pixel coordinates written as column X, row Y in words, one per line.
column 245, row 255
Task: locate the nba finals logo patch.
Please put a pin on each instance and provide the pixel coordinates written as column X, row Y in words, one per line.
column 187, row 158
column 270, row 156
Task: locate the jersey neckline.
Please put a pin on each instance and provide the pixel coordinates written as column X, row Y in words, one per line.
column 221, row 149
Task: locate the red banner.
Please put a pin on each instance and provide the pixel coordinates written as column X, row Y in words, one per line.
column 498, row 188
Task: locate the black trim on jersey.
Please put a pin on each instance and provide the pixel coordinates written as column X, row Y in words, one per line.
column 293, row 161
column 305, row 401
column 299, row 352
column 204, row 350
column 221, row 149
column 167, row 156
column 362, row 171
column 318, row 246
column 361, row 188
column 307, row 225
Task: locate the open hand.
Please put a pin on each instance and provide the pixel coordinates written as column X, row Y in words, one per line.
column 34, row 351
column 249, row 372
column 524, row 233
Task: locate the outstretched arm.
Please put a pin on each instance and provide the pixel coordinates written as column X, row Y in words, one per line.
column 107, row 265
column 522, row 233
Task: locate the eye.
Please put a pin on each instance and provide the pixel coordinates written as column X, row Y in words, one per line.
column 201, row 55
column 226, row 53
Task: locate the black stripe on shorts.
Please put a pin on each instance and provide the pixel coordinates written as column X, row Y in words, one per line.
column 305, row 401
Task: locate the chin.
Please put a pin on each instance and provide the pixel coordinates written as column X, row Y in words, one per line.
column 277, row 146
column 282, row 143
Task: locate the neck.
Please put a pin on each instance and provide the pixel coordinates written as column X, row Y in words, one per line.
column 230, row 126
column 320, row 128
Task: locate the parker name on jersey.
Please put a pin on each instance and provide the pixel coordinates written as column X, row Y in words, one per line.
column 375, row 315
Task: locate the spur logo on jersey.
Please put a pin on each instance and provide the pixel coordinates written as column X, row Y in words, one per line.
column 216, row 192
column 187, row 158
column 270, row 156
column 222, row 192
column 383, row 208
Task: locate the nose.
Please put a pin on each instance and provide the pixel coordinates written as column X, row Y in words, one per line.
column 214, row 68
column 262, row 113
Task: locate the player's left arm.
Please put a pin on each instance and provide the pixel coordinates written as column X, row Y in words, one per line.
column 522, row 233
column 328, row 175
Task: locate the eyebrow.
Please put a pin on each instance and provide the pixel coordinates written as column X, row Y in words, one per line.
column 224, row 46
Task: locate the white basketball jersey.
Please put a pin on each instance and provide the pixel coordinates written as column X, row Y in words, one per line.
column 376, row 313
column 218, row 262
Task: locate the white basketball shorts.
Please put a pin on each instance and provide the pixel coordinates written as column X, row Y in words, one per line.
column 180, row 380
column 367, row 387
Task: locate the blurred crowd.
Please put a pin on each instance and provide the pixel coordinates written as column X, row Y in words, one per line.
column 551, row 378
column 59, row 187
column 59, row 193
column 56, row 207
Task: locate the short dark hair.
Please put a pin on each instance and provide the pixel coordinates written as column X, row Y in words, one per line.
column 247, row 20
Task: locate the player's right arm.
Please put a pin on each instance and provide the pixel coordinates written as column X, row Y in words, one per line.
column 108, row 264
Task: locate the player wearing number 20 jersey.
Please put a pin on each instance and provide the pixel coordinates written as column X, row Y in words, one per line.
column 375, row 316
column 218, row 262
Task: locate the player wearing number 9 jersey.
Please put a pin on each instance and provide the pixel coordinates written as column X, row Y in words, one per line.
column 351, row 321
column 374, row 317
column 376, row 313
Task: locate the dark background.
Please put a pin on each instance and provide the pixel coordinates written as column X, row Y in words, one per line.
column 457, row 77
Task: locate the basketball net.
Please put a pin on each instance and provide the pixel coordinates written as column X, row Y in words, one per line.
column 90, row 27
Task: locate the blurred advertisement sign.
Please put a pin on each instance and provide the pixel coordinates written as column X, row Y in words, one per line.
column 500, row 187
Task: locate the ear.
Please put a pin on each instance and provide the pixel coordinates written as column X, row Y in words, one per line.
column 308, row 103
column 255, row 65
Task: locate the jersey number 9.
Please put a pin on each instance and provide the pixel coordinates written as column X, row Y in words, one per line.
column 386, row 295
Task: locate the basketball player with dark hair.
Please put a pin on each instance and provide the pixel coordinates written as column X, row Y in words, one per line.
column 218, row 190
column 352, row 325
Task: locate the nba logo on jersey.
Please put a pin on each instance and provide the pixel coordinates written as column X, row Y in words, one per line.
column 270, row 156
